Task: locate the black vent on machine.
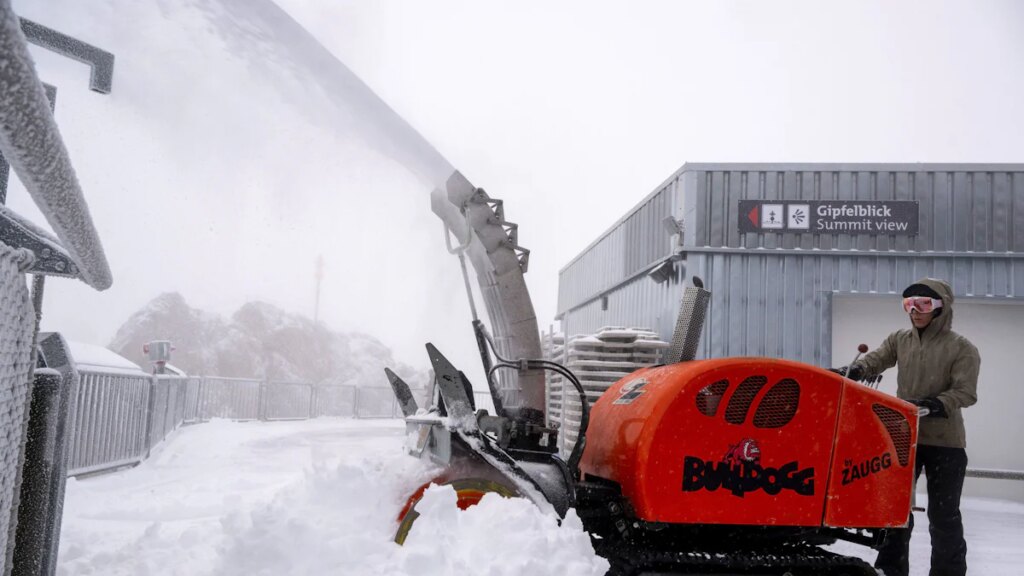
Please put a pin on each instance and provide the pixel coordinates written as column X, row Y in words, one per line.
column 779, row 405
column 710, row 397
column 739, row 402
column 898, row 428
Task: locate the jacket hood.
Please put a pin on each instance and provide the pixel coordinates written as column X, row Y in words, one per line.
column 944, row 322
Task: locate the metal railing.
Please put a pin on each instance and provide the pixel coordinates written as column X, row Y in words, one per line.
column 110, row 421
column 120, row 416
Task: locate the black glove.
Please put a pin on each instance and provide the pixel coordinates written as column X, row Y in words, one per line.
column 855, row 372
column 872, row 381
column 935, row 407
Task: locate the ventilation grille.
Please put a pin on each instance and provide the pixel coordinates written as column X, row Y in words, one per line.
column 710, row 397
column 779, row 405
column 739, row 402
column 898, row 428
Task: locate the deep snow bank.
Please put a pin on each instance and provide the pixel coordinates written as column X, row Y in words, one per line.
column 299, row 498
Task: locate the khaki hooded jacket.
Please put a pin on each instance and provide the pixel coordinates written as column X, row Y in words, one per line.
column 934, row 362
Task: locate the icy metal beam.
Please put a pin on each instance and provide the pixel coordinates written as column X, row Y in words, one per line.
column 31, row 142
column 101, row 62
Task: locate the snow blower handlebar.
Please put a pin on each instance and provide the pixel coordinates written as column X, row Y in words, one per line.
column 856, row 373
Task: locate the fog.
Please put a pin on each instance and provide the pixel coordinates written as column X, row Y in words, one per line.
column 222, row 163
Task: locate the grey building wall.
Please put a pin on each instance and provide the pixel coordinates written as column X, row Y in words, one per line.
column 771, row 293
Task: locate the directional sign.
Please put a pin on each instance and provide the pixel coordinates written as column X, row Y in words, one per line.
column 876, row 217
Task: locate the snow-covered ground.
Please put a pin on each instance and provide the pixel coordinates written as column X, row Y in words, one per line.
column 321, row 496
column 301, row 498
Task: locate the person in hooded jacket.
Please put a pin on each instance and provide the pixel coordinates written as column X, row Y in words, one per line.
column 938, row 370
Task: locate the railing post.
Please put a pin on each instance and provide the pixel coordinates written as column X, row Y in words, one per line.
column 39, row 509
column 201, row 401
column 261, row 401
column 150, row 404
column 313, row 393
column 355, row 402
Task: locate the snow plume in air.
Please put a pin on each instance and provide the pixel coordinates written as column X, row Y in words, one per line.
column 231, row 153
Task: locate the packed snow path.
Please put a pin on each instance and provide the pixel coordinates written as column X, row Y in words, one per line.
column 320, row 497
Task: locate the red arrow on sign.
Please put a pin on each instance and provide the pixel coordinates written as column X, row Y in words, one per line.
column 754, row 218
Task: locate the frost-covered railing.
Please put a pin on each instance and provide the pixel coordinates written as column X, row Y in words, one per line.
column 119, row 415
column 110, row 417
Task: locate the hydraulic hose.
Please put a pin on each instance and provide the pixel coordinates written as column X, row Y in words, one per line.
column 581, row 438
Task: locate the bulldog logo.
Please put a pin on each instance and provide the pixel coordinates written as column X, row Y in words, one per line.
column 743, row 451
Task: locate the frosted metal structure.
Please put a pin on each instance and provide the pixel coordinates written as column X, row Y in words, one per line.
column 33, row 448
column 32, row 144
column 772, row 293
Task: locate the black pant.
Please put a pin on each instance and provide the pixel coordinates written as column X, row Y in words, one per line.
column 944, row 469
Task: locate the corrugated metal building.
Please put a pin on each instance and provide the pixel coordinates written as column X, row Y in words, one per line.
column 804, row 261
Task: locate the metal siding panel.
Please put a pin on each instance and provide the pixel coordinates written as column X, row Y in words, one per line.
column 776, row 305
column 1002, row 211
column 790, row 311
column 865, row 190
column 981, row 211
column 828, row 187
column 922, row 190
column 960, row 211
column 717, row 218
column 1016, row 232
column 811, row 310
column 810, row 186
column 736, row 313
column 791, row 189
column 961, row 277
column 1001, row 279
column 885, row 184
column 701, row 187
column 719, row 320
column 903, row 189
column 754, row 190
column 772, row 191
column 754, row 332
column 734, row 193
column 942, row 240
column 845, row 190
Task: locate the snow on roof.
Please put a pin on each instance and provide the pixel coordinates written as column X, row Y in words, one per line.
column 92, row 357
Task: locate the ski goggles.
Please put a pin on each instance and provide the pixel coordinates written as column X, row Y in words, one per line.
column 922, row 304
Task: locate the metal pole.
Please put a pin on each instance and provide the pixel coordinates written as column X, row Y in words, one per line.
column 261, row 401
column 149, row 414
column 34, row 549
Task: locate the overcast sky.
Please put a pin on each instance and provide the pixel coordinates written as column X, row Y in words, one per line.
column 573, row 111
column 207, row 177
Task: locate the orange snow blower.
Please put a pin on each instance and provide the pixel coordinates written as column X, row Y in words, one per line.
column 722, row 466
